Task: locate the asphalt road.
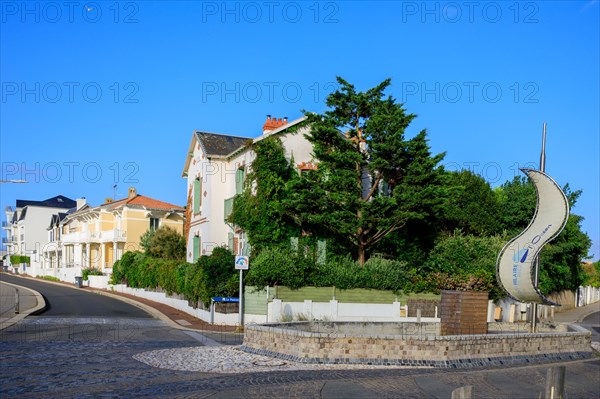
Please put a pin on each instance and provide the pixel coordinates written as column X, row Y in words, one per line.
column 83, row 347
column 592, row 323
column 65, row 301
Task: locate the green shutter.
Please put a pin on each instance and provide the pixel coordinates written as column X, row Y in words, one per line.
column 239, row 181
column 246, row 250
column 197, row 195
column 321, row 252
column 294, row 244
column 230, row 242
column 196, row 248
column 227, row 207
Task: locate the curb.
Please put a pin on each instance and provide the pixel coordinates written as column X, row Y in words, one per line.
column 148, row 309
column 40, row 306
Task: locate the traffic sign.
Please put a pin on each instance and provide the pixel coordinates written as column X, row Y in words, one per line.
column 241, row 263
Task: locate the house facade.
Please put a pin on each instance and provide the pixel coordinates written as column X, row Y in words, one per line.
column 215, row 169
column 96, row 237
column 26, row 228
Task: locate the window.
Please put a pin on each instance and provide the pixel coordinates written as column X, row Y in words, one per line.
column 154, row 222
column 197, row 194
column 196, row 249
column 239, row 180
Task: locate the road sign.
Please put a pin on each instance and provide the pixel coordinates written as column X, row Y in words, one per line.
column 241, row 263
column 225, row 299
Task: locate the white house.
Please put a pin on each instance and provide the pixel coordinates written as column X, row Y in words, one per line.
column 215, row 168
column 27, row 227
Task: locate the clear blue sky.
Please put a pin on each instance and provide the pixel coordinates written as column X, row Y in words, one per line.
column 109, row 92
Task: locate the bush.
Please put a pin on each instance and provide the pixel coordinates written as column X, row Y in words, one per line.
column 49, row 278
column 16, row 259
column 211, row 276
column 218, row 274
column 91, row 272
column 164, row 243
column 460, row 262
column 280, row 266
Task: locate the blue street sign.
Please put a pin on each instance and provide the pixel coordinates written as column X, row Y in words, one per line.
column 225, row 299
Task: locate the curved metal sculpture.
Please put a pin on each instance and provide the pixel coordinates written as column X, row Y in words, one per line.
column 516, row 264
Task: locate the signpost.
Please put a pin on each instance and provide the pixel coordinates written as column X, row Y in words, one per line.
column 241, row 264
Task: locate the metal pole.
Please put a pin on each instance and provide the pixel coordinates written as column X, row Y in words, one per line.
column 241, row 309
column 555, row 382
column 16, row 300
column 536, row 275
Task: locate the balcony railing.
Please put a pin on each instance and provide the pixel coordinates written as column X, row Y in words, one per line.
column 95, row 236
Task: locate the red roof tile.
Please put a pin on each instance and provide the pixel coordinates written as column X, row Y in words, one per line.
column 141, row 200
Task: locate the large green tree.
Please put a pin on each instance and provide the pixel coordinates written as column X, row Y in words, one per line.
column 472, row 206
column 371, row 179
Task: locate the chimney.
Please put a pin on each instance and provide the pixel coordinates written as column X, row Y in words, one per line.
column 108, row 200
column 132, row 192
column 80, row 202
column 273, row 123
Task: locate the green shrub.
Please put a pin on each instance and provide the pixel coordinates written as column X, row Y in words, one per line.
column 16, row 259
column 49, row 278
column 210, row 276
column 280, row 266
column 91, row 272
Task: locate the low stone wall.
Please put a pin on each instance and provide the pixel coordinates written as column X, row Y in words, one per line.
column 326, row 345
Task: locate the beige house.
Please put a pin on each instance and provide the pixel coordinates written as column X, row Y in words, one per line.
column 96, row 237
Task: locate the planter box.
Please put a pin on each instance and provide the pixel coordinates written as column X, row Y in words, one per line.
column 464, row 312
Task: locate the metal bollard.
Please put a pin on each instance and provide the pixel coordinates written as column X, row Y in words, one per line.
column 16, row 300
column 465, row 392
column 555, row 382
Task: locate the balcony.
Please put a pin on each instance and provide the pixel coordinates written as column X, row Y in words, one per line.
column 6, row 225
column 95, row 236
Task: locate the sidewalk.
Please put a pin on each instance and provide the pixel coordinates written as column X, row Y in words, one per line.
column 576, row 315
column 17, row 302
column 176, row 318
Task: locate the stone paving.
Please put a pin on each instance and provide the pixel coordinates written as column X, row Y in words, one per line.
column 232, row 360
column 58, row 357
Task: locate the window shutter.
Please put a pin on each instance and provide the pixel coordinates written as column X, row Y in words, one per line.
column 230, row 241
column 197, row 195
column 239, row 181
column 321, row 252
column 196, row 250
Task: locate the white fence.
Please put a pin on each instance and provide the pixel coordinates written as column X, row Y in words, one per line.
column 588, row 295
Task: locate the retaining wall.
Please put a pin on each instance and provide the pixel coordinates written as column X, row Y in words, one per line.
column 333, row 347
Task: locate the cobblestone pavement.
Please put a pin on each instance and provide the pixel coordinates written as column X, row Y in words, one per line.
column 59, row 357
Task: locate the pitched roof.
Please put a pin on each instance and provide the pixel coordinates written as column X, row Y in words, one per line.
column 142, row 201
column 56, row 219
column 215, row 144
column 60, row 201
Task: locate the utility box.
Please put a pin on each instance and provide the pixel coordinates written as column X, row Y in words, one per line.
column 464, row 312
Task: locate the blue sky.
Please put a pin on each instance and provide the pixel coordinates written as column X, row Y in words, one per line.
column 102, row 93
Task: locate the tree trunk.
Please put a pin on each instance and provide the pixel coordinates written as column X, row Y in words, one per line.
column 362, row 255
